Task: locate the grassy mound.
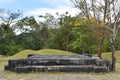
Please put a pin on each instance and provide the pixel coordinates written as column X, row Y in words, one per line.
column 107, row 55
column 24, row 53
column 5, row 75
column 0, row 55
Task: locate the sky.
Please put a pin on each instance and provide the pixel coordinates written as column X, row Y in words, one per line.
column 40, row 7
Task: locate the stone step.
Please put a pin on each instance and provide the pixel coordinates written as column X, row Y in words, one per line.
column 31, row 56
column 61, row 63
column 68, row 68
column 23, row 62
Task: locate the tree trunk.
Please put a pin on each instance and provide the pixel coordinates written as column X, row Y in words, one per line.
column 100, row 48
column 113, row 57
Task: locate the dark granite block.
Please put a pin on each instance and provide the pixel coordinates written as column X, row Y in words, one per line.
column 61, row 63
column 100, row 69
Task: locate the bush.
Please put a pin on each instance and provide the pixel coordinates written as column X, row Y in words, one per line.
column 94, row 49
column 10, row 50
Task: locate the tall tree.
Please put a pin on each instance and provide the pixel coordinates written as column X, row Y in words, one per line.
column 65, row 36
column 7, row 20
column 27, row 24
column 113, row 20
column 49, row 27
column 104, row 13
column 50, row 21
column 31, row 32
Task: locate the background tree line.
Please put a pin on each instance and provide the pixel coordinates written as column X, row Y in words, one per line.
column 65, row 33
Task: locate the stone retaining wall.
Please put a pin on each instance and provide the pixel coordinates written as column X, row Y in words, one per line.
column 61, row 63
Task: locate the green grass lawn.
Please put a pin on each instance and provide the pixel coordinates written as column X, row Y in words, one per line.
column 0, row 55
column 7, row 75
column 24, row 53
column 107, row 55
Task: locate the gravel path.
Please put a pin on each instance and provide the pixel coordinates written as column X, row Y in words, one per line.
column 59, row 76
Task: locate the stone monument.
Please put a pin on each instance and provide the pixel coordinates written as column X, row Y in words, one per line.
column 58, row 63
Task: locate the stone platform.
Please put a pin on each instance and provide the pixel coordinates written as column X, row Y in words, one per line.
column 58, row 63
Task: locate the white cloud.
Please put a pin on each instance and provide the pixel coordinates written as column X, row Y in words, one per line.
column 61, row 10
column 58, row 6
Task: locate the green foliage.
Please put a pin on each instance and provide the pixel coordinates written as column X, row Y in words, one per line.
column 33, row 36
column 8, row 46
column 26, row 40
column 27, row 24
column 84, row 40
column 65, row 33
column 61, row 37
column 106, row 45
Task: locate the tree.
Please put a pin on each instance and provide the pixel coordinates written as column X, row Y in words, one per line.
column 104, row 13
column 31, row 33
column 50, row 21
column 113, row 17
column 27, row 24
column 50, row 27
column 94, row 11
column 64, row 36
column 8, row 19
column 84, row 39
